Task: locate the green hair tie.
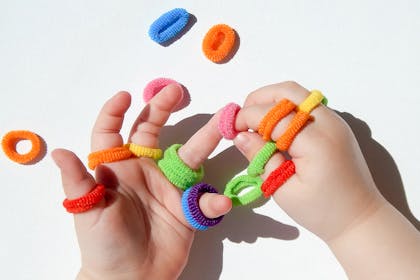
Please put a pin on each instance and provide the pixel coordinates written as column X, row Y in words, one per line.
column 176, row 171
column 240, row 183
column 256, row 166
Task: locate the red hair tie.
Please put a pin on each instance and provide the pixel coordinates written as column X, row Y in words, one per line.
column 86, row 202
column 277, row 178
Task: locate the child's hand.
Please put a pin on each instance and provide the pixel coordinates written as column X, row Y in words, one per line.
column 139, row 230
column 332, row 188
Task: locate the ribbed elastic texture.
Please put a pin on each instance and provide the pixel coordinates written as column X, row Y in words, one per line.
column 142, row 151
column 299, row 120
column 256, row 166
column 219, row 42
column 239, row 184
column 227, row 119
column 10, row 140
column 86, row 202
column 176, row 171
column 155, row 86
column 312, row 101
column 273, row 117
column 108, row 155
column 190, row 206
column 168, row 25
column 277, row 178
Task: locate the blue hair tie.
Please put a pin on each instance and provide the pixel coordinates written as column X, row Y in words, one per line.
column 187, row 213
column 168, row 25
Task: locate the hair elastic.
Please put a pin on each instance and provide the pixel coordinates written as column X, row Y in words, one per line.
column 256, row 166
column 86, row 202
column 227, row 119
column 273, row 117
column 10, row 140
column 108, row 155
column 176, row 171
column 142, row 151
column 238, row 184
column 277, row 178
column 219, row 42
column 168, row 25
column 191, row 209
column 155, row 86
column 312, row 101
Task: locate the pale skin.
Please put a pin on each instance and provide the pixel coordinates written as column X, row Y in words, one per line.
column 139, row 232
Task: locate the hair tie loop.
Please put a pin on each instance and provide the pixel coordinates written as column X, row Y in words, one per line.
column 86, row 202
column 257, row 164
column 218, row 43
column 273, row 117
column 142, row 151
column 227, row 119
column 108, row 155
column 278, row 177
column 168, row 25
column 10, row 140
column 238, row 184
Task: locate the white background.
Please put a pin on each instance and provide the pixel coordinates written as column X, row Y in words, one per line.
column 60, row 60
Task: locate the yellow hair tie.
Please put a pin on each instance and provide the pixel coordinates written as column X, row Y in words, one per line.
column 313, row 100
column 141, row 151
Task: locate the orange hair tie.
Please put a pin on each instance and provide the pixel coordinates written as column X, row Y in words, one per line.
column 10, row 140
column 297, row 123
column 108, row 155
column 219, row 42
column 271, row 119
column 86, row 202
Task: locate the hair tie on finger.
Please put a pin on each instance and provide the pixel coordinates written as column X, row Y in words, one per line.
column 227, row 119
column 142, row 151
column 155, row 86
column 278, row 177
column 236, row 187
column 273, row 117
column 191, row 209
column 312, row 101
column 86, row 202
column 10, row 141
column 176, row 171
column 256, row 166
column 298, row 122
column 108, row 155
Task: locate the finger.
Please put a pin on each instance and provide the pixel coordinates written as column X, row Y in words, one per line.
column 146, row 129
column 106, row 131
column 250, row 143
column 214, row 205
column 199, row 147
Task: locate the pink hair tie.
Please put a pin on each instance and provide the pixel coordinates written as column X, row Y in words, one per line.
column 156, row 85
column 227, row 121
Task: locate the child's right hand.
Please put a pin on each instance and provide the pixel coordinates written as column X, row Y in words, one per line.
column 332, row 189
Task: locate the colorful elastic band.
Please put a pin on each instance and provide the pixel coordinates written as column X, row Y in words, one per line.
column 142, row 151
column 277, row 178
column 108, row 155
column 176, row 171
column 155, row 86
column 227, row 119
column 86, row 202
column 312, row 101
column 168, row 25
column 219, row 42
column 273, row 117
column 191, row 209
column 10, row 141
column 256, row 166
column 243, row 189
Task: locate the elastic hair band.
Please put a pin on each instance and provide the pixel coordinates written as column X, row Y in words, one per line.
column 108, row 155
column 272, row 118
column 155, row 86
column 168, row 25
column 277, row 178
column 10, row 140
column 239, row 184
column 227, row 119
column 256, row 166
column 312, row 101
column 219, row 42
column 142, row 151
column 299, row 120
column 191, row 209
column 176, row 171
column 86, row 202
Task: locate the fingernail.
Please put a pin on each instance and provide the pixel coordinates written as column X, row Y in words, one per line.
column 241, row 141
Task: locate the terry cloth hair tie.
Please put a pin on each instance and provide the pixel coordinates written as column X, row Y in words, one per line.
column 191, row 209
column 156, row 85
column 219, row 42
column 277, row 178
column 176, row 171
column 86, row 202
column 227, row 121
column 239, row 184
column 299, row 120
column 142, row 151
column 256, row 166
column 168, row 25
column 10, row 140
column 108, row 155
column 273, row 117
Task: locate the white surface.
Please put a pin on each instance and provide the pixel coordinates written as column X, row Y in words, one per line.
column 60, row 60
